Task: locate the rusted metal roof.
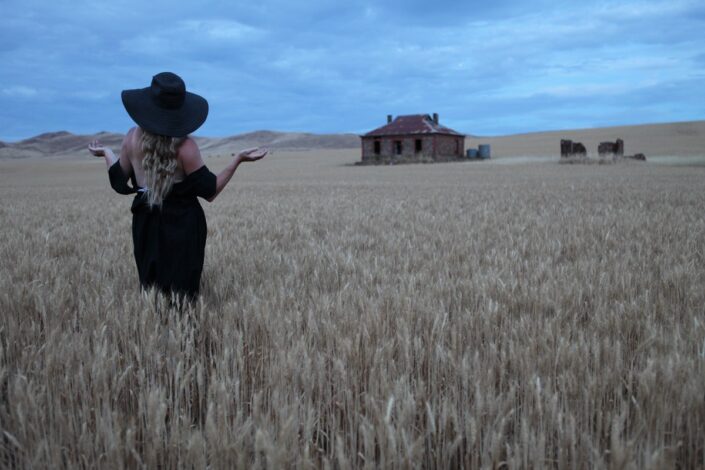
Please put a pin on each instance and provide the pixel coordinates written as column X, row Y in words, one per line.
column 412, row 124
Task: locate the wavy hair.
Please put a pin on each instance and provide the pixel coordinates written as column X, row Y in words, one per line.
column 159, row 164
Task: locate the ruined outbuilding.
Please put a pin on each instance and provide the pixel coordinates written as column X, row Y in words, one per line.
column 415, row 137
column 604, row 149
column 572, row 149
column 615, row 149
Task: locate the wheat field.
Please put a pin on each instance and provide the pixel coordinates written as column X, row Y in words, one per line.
column 459, row 315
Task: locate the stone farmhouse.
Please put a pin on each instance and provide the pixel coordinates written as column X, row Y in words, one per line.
column 413, row 137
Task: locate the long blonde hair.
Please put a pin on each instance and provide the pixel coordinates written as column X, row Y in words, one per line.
column 159, row 164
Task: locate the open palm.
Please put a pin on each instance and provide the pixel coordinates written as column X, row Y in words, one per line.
column 96, row 148
column 253, row 154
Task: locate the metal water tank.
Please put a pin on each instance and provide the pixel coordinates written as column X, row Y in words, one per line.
column 484, row 151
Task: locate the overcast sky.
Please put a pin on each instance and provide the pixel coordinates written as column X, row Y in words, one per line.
column 488, row 68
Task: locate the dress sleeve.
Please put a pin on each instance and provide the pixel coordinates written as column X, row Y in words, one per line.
column 201, row 183
column 118, row 180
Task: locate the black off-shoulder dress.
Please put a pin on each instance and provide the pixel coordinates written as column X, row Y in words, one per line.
column 169, row 241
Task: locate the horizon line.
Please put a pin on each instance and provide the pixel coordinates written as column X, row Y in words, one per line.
column 467, row 135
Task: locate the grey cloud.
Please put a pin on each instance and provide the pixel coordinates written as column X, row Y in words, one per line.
column 330, row 66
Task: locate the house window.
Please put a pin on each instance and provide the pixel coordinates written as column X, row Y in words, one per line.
column 378, row 147
column 419, row 145
column 397, row 147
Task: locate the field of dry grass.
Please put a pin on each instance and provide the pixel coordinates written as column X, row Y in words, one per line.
column 459, row 315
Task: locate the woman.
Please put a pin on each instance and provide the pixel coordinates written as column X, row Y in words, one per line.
column 167, row 174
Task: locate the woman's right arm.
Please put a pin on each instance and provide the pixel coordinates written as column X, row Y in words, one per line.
column 99, row 150
column 118, row 174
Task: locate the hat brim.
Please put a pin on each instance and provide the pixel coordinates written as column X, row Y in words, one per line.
column 178, row 122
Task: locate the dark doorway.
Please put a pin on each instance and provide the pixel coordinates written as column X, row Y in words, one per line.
column 378, row 147
column 397, row 147
column 418, row 145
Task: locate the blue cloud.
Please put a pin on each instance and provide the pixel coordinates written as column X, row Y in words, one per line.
column 326, row 66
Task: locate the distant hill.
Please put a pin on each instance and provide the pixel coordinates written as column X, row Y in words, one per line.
column 60, row 143
column 669, row 139
column 64, row 144
column 683, row 139
column 278, row 140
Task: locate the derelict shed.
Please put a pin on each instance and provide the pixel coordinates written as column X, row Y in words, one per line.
column 412, row 137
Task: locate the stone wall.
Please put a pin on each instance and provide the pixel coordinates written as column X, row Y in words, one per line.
column 446, row 146
column 449, row 146
column 611, row 148
column 572, row 149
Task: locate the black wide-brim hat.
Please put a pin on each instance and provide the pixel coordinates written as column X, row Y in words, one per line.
column 165, row 107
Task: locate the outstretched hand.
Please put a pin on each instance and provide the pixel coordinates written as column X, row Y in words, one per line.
column 252, row 155
column 96, row 148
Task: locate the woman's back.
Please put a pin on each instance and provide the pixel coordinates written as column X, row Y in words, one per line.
column 135, row 153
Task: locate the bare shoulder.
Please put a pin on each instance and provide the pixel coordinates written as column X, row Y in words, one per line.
column 130, row 141
column 190, row 156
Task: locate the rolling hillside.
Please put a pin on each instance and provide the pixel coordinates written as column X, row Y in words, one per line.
column 669, row 139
